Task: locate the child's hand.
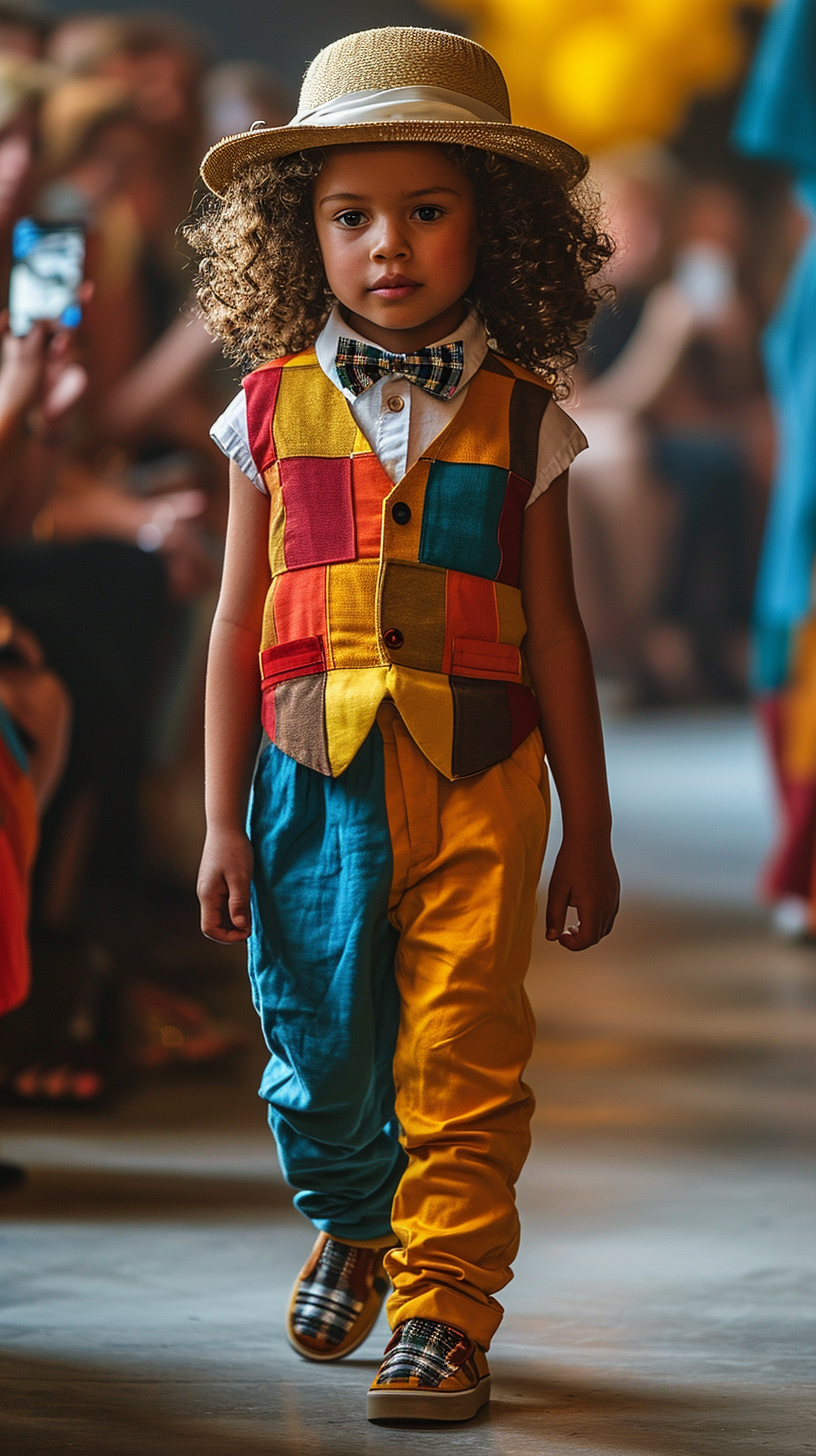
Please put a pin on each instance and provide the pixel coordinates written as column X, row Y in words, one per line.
column 223, row 886
column 585, row 877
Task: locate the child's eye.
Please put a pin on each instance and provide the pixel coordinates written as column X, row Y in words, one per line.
column 350, row 219
column 427, row 213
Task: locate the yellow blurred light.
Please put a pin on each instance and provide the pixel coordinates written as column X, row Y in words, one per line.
column 603, row 72
column 590, row 74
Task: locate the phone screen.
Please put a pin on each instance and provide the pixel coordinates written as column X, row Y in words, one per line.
column 47, row 268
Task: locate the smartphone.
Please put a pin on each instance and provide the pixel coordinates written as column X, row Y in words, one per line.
column 47, row 268
column 707, row 276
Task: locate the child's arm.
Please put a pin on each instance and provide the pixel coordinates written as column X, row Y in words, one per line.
column 560, row 666
column 232, row 715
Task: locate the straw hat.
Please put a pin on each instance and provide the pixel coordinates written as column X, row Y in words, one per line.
column 397, row 84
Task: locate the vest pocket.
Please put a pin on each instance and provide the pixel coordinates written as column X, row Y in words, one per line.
column 298, row 658
column 499, row 661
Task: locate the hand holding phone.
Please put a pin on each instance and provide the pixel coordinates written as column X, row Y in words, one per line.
column 46, row 274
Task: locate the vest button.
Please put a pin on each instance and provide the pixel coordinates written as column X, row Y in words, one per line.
column 395, row 403
column 401, row 513
column 393, row 638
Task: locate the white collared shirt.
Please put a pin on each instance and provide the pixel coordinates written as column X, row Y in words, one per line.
column 399, row 419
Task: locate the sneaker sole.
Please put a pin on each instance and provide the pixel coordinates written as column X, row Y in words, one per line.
column 427, row 1405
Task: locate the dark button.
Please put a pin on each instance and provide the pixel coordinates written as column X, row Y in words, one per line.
column 401, row 513
column 393, row 638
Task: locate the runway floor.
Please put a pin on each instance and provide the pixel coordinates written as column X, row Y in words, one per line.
column 665, row 1294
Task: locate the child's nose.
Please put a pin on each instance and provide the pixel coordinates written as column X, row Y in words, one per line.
column 390, row 242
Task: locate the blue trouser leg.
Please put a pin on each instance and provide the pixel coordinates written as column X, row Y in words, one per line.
column 321, row 962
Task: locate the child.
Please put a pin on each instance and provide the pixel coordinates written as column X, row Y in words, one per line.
column 416, row 273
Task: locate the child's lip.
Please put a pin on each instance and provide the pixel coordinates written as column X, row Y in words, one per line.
column 397, row 286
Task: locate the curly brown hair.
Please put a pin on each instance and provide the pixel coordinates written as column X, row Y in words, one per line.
column 262, row 288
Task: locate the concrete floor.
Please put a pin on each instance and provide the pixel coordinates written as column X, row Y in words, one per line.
column 665, row 1298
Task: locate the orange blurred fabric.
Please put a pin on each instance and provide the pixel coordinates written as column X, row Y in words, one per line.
column 799, row 711
column 467, row 862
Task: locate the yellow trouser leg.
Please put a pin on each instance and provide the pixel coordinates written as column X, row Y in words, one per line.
column 467, row 861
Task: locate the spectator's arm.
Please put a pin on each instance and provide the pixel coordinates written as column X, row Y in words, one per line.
column 163, row 372
column 641, row 370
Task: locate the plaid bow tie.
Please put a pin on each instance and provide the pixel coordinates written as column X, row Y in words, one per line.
column 437, row 368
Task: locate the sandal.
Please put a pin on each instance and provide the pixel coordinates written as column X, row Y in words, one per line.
column 68, row 1081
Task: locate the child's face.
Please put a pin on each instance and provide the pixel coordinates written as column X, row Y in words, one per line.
column 397, row 230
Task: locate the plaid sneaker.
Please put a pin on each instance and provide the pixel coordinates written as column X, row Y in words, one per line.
column 430, row 1372
column 336, row 1299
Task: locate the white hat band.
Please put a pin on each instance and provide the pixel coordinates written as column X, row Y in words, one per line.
column 398, row 103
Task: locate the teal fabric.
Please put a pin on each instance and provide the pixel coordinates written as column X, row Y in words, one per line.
column 321, row 964
column 460, row 518
column 777, row 113
column 777, row 120
column 784, row 589
column 12, row 739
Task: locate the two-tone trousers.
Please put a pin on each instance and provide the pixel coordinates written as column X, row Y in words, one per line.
column 392, row 920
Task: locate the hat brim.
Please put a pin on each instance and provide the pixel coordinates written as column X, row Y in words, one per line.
column 521, row 143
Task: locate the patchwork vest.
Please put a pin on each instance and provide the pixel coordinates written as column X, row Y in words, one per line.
column 410, row 591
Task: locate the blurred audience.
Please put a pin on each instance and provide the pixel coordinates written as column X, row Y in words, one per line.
column 669, row 395
column 619, row 518
column 111, row 515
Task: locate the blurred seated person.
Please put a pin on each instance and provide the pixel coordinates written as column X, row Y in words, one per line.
column 157, row 62
column 707, row 426
column 172, row 391
column 92, row 586
column 661, row 502
column 93, row 610
column 94, row 150
column 146, row 391
column 158, row 392
column 96, row 165
column 23, row 83
column 236, row 94
column 619, row 516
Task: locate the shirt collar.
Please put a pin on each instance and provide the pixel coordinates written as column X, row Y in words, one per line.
column 471, row 332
